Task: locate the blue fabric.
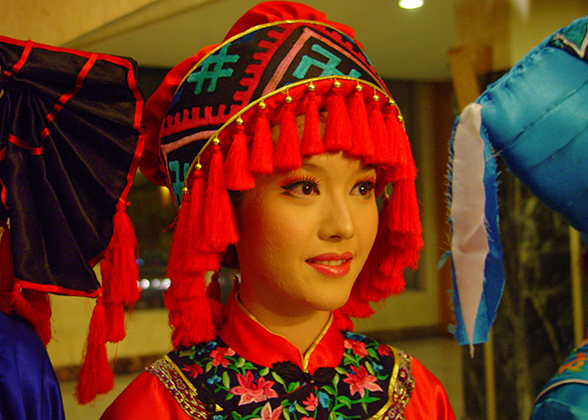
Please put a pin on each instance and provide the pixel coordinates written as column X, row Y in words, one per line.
column 537, row 120
column 493, row 269
column 28, row 386
column 565, row 396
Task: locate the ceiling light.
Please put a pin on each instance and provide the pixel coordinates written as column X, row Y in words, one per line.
column 410, row 4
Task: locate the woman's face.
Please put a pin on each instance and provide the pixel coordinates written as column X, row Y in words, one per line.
column 305, row 235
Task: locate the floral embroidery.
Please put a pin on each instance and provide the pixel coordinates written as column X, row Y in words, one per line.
column 268, row 414
column 218, row 356
column 357, row 347
column 360, row 380
column 311, row 402
column 251, row 389
column 193, row 370
column 358, row 388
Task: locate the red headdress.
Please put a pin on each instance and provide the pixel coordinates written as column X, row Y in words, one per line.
column 208, row 132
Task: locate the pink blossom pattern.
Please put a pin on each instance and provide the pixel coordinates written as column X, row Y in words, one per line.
column 193, row 370
column 268, row 414
column 253, row 390
column 218, row 356
column 357, row 347
column 311, row 402
column 360, row 380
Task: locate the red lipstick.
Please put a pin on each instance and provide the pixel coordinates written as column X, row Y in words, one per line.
column 330, row 264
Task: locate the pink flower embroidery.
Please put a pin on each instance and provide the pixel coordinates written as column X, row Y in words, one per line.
column 311, row 402
column 360, row 380
column 193, row 370
column 218, row 356
column 384, row 350
column 252, row 390
column 268, row 414
column 357, row 347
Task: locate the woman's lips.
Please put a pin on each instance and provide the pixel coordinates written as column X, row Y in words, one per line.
column 333, row 265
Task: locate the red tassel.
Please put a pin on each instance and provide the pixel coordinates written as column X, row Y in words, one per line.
column 401, row 155
column 187, row 251
column 120, row 273
column 311, row 143
column 220, row 227
column 338, row 129
column 262, row 147
column 189, row 311
column 96, row 376
column 405, row 225
column 238, row 176
column 379, row 135
column 363, row 145
column 115, row 314
column 287, row 155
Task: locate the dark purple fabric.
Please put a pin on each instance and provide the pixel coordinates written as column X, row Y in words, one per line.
column 68, row 139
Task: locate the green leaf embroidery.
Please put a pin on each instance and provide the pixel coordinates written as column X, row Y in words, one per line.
column 301, row 409
column 226, row 380
column 278, row 378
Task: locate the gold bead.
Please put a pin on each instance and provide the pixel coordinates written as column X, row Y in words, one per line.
column 185, row 191
column 392, row 101
column 262, row 105
column 239, row 121
column 311, row 87
column 400, row 118
column 216, row 141
column 289, row 99
column 336, row 84
column 359, row 88
column 198, row 166
column 376, row 98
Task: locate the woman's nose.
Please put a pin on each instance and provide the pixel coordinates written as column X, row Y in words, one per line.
column 337, row 222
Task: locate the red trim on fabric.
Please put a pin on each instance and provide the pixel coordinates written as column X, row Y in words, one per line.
column 132, row 83
column 105, row 57
column 77, row 87
column 24, row 57
column 52, row 288
column 258, row 345
column 37, row 151
column 3, row 190
column 138, row 126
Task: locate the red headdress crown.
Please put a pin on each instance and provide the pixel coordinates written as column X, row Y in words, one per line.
column 208, row 128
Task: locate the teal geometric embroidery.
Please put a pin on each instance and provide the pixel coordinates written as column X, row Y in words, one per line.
column 329, row 68
column 203, row 73
column 178, row 182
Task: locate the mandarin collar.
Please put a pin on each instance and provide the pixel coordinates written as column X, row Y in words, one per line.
column 254, row 342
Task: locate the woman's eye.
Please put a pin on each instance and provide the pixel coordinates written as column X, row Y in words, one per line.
column 302, row 188
column 364, row 188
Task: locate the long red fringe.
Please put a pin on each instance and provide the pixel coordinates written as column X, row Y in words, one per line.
column 262, row 148
column 338, row 129
column 287, row 155
column 96, row 375
column 238, row 175
column 311, row 143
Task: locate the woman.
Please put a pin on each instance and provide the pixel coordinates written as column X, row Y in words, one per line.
column 276, row 144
